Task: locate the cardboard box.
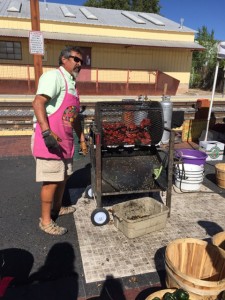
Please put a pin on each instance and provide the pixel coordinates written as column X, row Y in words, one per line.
column 139, row 217
column 214, row 149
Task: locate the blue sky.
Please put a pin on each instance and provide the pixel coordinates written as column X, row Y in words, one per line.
column 195, row 13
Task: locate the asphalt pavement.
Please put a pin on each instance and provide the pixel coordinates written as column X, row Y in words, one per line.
column 41, row 266
column 38, row 266
column 28, row 254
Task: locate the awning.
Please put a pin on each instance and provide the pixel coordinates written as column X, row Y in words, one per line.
column 105, row 39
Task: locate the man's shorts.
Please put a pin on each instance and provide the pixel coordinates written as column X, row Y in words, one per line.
column 53, row 170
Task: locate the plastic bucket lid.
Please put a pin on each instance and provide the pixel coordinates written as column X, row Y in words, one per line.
column 191, row 156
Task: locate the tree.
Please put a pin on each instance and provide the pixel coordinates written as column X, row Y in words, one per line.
column 204, row 62
column 146, row 6
column 111, row 4
column 151, row 6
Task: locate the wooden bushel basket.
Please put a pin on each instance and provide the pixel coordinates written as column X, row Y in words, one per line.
column 195, row 266
column 219, row 240
column 220, row 175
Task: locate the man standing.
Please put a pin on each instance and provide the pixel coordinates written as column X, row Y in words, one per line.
column 56, row 108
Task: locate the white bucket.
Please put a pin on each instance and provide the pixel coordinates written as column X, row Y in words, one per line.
column 186, row 176
column 187, row 186
column 189, row 177
column 190, row 167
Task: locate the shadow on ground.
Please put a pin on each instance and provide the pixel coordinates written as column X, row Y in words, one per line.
column 210, row 180
column 55, row 280
column 79, row 180
column 145, row 293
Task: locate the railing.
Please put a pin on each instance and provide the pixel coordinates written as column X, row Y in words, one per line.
column 23, row 72
column 20, row 79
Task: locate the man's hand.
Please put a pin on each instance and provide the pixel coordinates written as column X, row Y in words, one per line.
column 83, row 147
column 51, row 139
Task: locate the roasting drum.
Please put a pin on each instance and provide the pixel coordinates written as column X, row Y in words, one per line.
column 129, row 123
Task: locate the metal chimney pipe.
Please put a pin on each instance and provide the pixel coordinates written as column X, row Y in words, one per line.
column 181, row 23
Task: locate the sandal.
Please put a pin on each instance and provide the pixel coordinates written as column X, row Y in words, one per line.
column 52, row 228
column 65, row 210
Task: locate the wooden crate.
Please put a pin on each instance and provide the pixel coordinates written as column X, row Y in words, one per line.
column 192, row 130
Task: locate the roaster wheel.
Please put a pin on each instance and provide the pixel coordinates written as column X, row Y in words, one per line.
column 100, row 217
column 89, row 192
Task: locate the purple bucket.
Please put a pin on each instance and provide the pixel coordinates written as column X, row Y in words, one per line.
column 191, row 156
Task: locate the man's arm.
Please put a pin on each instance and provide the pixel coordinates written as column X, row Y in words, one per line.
column 79, row 131
column 50, row 138
column 40, row 111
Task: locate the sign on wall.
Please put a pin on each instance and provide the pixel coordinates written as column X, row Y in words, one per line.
column 36, row 43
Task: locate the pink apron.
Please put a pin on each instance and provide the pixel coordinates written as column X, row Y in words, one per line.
column 60, row 122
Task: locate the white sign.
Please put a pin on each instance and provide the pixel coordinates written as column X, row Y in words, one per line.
column 36, row 43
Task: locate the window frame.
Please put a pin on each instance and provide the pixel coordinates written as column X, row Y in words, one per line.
column 7, row 55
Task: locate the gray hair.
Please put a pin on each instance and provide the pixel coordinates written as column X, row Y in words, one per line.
column 66, row 52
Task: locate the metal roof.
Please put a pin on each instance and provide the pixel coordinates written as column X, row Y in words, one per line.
column 95, row 16
column 105, row 39
column 104, row 17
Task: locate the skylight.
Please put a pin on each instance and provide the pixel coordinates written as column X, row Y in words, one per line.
column 66, row 12
column 133, row 18
column 15, row 6
column 151, row 19
column 88, row 14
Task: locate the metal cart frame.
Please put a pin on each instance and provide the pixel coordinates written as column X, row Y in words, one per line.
column 100, row 216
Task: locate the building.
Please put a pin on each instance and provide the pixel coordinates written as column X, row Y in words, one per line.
column 125, row 53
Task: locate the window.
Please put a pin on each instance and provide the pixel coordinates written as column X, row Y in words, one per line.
column 86, row 57
column 10, row 50
column 45, row 56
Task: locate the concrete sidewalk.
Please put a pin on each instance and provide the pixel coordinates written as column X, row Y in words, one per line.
column 92, row 262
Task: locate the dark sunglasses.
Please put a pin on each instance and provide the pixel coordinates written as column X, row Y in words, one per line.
column 77, row 59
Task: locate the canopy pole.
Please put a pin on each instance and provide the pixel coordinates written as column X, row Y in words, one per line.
column 212, row 99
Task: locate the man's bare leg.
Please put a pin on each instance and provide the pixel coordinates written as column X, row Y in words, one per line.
column 48, row 191
column 57, row 203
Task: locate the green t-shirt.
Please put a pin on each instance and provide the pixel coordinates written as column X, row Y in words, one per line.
column 52, row 84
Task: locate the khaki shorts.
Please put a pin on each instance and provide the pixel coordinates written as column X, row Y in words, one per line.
column 53, row 170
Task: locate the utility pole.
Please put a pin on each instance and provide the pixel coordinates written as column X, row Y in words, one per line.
column 35, row 25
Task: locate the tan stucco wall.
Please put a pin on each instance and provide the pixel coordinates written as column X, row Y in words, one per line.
column 141, row 61
column 145, row 61
column 99, row 30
